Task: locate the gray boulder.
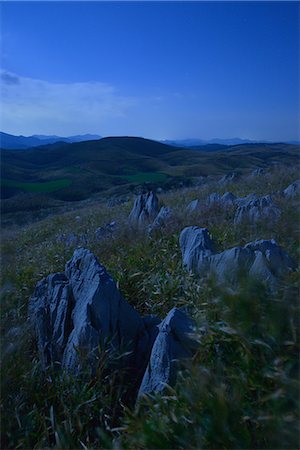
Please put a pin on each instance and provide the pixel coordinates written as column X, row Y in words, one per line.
column 229, row 178
column 81, row 311
column 227, row 200
column 162, row 218
column 242, row 201
column 256, row 210
column 144, row 210
column 257, row 172
column 196, row 245
column 213, row 199
column 100, row 316
column 277, row 259
column 193, row 206
column 173, row 343
column 292, row 190
column 263, row 259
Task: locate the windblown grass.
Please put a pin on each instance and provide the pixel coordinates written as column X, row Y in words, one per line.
column 239, row 391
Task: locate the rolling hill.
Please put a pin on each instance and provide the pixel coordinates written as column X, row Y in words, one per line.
column 76, row 171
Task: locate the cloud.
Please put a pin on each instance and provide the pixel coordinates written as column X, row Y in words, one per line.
column 8, row 78
column 32, row 106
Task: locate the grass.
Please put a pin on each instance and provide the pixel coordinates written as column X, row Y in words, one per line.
column 239, row 391
column 45, row 187
column 146, row 177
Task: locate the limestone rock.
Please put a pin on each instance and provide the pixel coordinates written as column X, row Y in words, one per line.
column 213, row 199
column 257, row 172
column 256, row 210
column 100, row 316
column 144, row 210
column 193, row 206
column 50, row 310
column 76, row 312
column 227, row 200
column 173, row 343
column 164, row 215
column 242, row 201
column 263, row 259
column 229, row 178
column 292, row 190
column 196, row 245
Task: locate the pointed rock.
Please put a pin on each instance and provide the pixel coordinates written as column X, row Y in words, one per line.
column 78, row 312
column 193, row 206
column 292, row 190
column 173, row 343
column 164, row 215
column 256, row 210
column 144, row 210
column 101, row 316
column 262, row 259
column 196, row 245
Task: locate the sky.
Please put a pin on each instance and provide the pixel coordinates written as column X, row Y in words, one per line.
column 161, row 70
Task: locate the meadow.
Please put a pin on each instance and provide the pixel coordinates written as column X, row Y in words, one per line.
column 241, row 388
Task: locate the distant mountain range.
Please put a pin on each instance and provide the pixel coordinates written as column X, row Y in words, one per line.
column 218, row 142
column 10, row 141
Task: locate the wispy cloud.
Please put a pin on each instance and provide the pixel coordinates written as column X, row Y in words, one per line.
column 38, row 106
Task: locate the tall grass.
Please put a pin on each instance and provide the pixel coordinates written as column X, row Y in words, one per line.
column 239, row 391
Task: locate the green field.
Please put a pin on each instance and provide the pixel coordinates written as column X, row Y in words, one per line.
column 146, row 177
column 44, row 187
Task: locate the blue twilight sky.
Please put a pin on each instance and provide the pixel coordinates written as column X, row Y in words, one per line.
column 162, row 70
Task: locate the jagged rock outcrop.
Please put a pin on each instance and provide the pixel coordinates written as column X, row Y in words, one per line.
column 229, row 178
column 256, row 210
column 292, row 190
column 263, row 259
column 173, row 343
column 196, row 245
column 213, row 199
column 227, row 200
column 193, row 206
column 81, row 310
column 162, row 218
column 79, row 313
column 257, row 172
column 242, row 201
column 144, row 210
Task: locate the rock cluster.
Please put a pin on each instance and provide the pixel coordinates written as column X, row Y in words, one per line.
column 250, row 209
column 264, row 260
column 229, row 178
column 144, row 210
column 146, row 213
column 79, row 313
column 292, row 190
column 257, row 209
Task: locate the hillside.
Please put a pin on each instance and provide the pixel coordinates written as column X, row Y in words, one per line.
column 118, row 165
column 240, row 389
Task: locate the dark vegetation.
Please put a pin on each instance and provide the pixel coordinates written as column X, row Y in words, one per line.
column 117, row 166
column 240, row 390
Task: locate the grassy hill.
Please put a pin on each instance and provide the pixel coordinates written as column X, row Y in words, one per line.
column 241, row 389
column 117, row 165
